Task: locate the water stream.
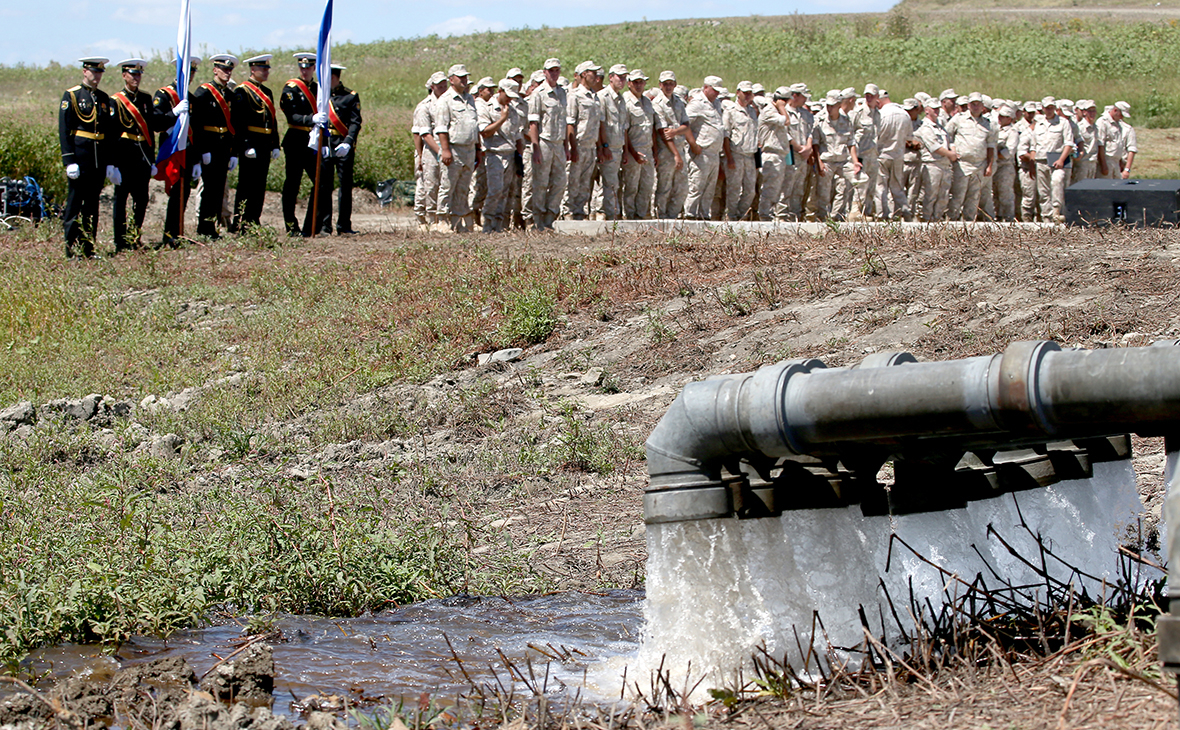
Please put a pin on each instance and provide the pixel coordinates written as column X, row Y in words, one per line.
column 404, row 652
column 716, row 591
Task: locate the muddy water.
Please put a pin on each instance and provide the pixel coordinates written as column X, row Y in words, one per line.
column 404, row 652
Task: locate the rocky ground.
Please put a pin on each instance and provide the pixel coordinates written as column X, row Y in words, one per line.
column 699, row 306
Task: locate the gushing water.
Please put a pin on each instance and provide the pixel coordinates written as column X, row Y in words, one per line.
column 719, row 589
column 405, row 652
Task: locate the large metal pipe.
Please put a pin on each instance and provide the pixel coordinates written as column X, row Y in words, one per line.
column 852, row 419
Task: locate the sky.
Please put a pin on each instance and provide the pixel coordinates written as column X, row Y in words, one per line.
column 41, row 31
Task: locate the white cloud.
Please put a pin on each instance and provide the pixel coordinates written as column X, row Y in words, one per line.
column 142, row 14
column 464, row 25
column 301, row 35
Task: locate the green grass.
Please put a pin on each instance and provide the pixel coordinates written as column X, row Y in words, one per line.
column 98, row 544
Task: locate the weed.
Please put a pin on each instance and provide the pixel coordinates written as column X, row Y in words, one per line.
column 732, row 303
column 660, row 332
column 259, row 236
column 530, row 315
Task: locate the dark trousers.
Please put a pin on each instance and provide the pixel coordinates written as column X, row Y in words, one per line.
column 300, row 161
column 251, row 189
column 212, row 191
column 134, row 186
column 344, row 167
column 80, row 217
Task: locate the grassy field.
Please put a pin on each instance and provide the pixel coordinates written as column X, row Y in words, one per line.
column 905, row 50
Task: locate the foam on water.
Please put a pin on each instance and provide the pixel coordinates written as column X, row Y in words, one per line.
column 719, row 589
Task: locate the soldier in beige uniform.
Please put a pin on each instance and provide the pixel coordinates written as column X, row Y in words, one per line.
column 948, row 106
column 801, row 127
column 1118, row 141
column 1004, row 178
column 485, row 93
column 834, row 182
column 1026, row 163
column 974, row 138
column 536, row 80
column 704, row 118
column 614, row 121
column 672, row 159
column 501, row 128
column 548, row 115
column 426, row 164
column 740, row 119
column 937, row 159
column 775, row 142
column 866, row 125
column 1053, row 140
column 1085, row 165
column 643, row 125
column 587, row 138
column 524, row 160
column 896, row 130
column 457, row 128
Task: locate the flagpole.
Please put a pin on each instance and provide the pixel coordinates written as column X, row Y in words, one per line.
column 315, row 189
column 323, row 60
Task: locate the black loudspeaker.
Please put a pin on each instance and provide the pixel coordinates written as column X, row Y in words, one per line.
column 1130, row 202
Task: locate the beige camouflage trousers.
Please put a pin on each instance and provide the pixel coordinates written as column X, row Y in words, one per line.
column 454, row 186
column 426, row 183
column 739, row 185
column 580, row 182
column 702, row 183
column 638, row 183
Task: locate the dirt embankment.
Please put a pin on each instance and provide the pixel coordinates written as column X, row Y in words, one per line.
column 682, row 308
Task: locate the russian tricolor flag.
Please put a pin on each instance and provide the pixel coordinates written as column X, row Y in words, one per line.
column 323, row 74
column 170, row 162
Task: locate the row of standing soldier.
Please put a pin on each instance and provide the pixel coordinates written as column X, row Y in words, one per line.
column 512, row 153
column 231, row 125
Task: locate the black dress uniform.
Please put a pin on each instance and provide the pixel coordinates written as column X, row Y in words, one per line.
column 346, row 106
column 257, row 129
column 163, row 119
column 213, row 133
column 300, row 159
column 83, row 125
column 134, row 155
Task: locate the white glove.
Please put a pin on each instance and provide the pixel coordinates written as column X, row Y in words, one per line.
column 250, row 153
column 154, row 171
column 197, row 171
column 343, row 149
column 319, row 118
column 274, row 154
column 73, row 172
column 326, row 150
column 114, row 175
column 233, row 162
column 180, row 108
column 207, row 158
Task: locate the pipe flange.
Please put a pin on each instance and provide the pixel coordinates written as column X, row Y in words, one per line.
column 764, row 396
column 1016, row 385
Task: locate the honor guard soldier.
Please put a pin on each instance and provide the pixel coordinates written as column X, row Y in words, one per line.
column 83, row 123
column 166, row 106
column 298, row 102
column 256, row 142
column 344, row 119
column 213, row 132
column 134, row 152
